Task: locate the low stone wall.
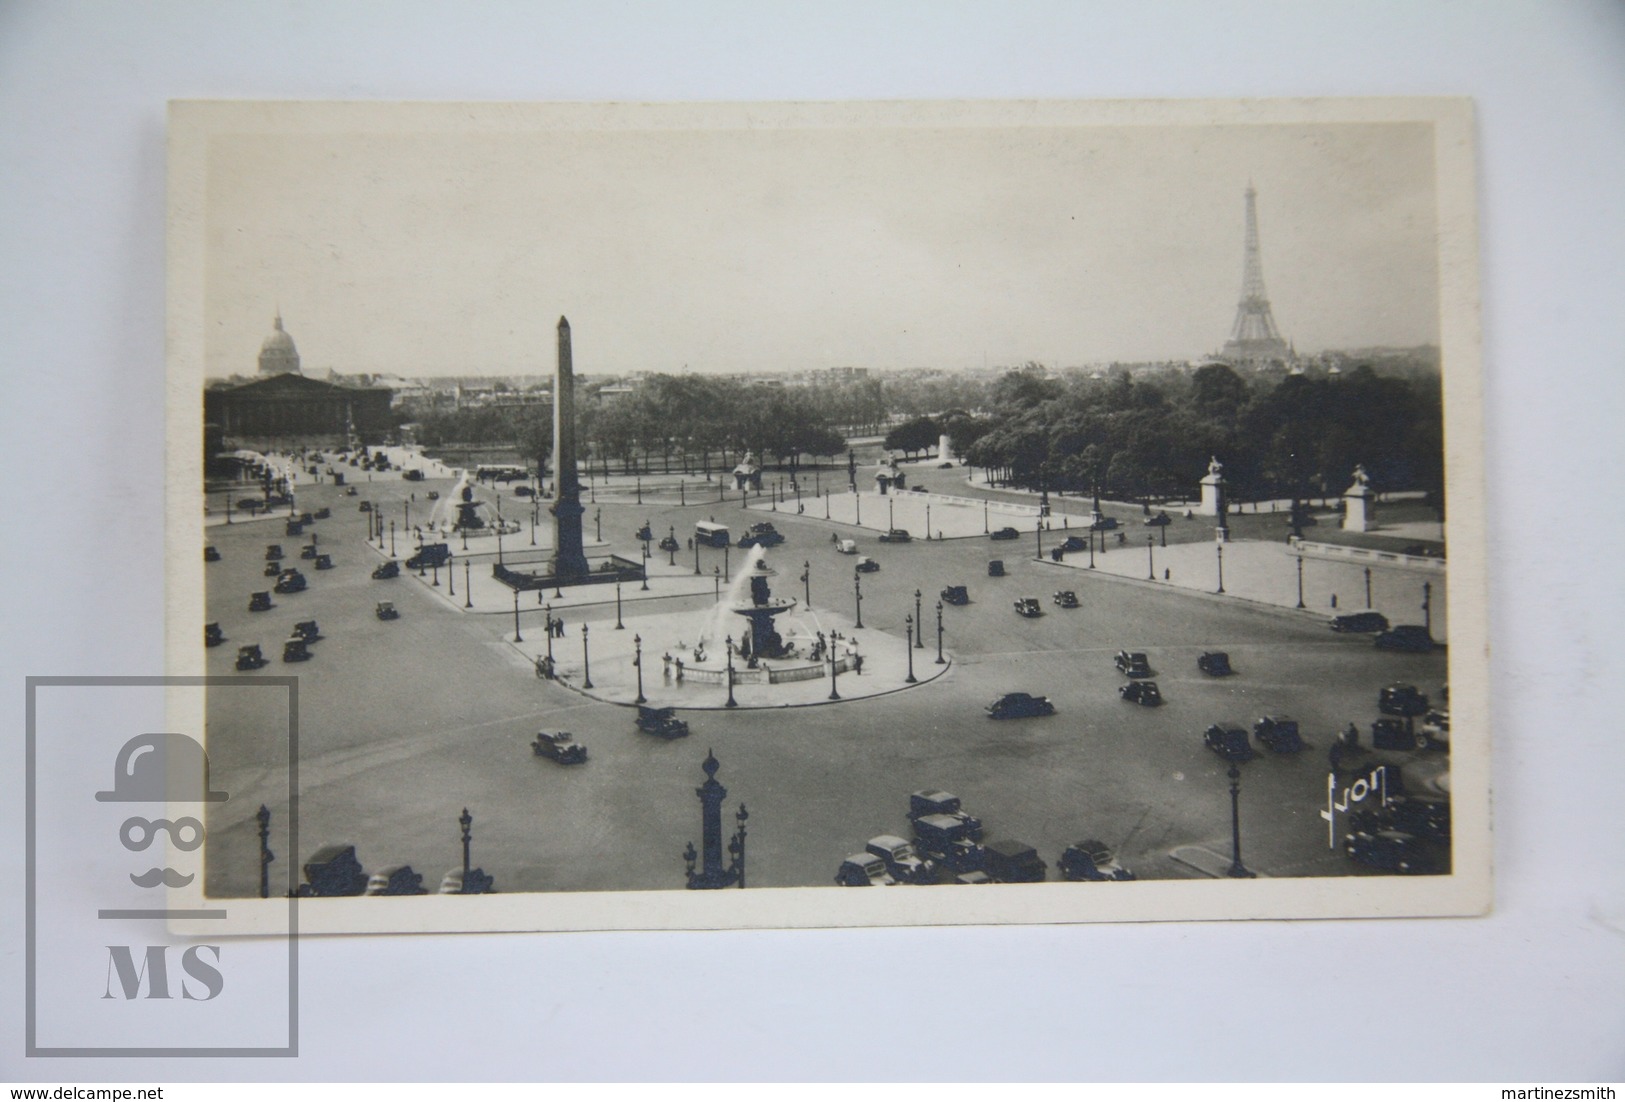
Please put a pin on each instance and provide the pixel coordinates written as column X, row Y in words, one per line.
column 744, row 675
column 1368, row 555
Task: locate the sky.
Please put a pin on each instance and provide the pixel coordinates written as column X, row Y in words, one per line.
column 447, row 251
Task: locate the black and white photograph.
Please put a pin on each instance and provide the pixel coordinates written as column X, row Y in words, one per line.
column 670, row 501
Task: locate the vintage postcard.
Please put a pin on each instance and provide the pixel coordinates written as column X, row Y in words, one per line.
column 680, row 516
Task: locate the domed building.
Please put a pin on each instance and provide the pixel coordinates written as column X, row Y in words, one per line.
column 278, row 356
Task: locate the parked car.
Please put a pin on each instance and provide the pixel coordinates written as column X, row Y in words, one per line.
column 366, row 507
column 385, row 570
column 955, row 595
column 1408, row 637
column 1392, row 850
column 558, row 747
column 1159, row 520
column 273, row 551
column 934, row 801
column 1013, row 862
column 1401, row 700
column 902, row 862
column 323, row 513
column 396, row 880
column 866, row 565
column 847, row 547
column 1360, row 622
column 434, row 495
column 1133, row 664
column 249, row 657
column 429, row 556
column 760, row 535
column 1065, row 598
column 895, row 535
column 995, row 568
column 1091, row 859
column 308, row 552
column 1214, row 663
column 1279, row 733
column 942, row 838
column 1396, row 734
column 1028, row 606
column 324, row 562
column 1020, row 706
column 661, row 721
column 259, row 602
column 1436, row 729
column 386, row 611
column 272, row 569
column 290, row 581
column 296, row 650
column 1073, row 543
column 863, row 870
column 307, row 630
column 1422, row 818
column 1144, row 693
column 211, row 554
column 1104, row 524
column 1004, row 534
column 668, row 543
column 1229, row 741
column 212, row 635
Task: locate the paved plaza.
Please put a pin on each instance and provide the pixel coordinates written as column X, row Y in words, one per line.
column 406, row 722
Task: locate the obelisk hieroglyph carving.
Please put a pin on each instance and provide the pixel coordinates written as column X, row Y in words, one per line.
column 569, row 561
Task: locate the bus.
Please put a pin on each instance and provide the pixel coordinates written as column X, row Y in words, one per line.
column 711, row 534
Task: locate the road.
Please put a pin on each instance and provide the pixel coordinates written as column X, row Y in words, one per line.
column 405, row 723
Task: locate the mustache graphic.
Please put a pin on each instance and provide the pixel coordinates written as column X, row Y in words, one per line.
column 169, row 877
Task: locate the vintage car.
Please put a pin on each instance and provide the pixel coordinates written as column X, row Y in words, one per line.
column 396, row 880
column 644, row 534
column 212, row 635
column 1012, row 862
column 995, row 568
column 1141, row 692
column 1104, row 524
column 847, row 547
column 308, row 551
column 1436, row 729
column 296, row 650
column 943, row 839
column 895, row 535
column 1422, row 818
column 1229, row 741
column 290, row 581
column 434, row 495
column 349, row 491
column 1401, row 700
column 1391, row 850
column 1020, row 706
column 1396, row 734
column 1091, row 859
column 412, row 474
column 1073, row 543
column 259, row 602
column 863, row 870
column 385, row 570
column 1364, row 622
column 273, row 551
column 1408, row 637
column 866, row 565
column 323, row 513
column 1158, row 521
column 211, row 554
column 272, row 568
column 1279, row 733
column 902, row 862
column 430, row 555
column 662, row 722
column 1028, row 607
column 1004, row 534
column 307, row 630
column 1065, row 598
column 366, row 506
column 934, row 801
column 955, row 595
column 753, row 538
column 1133, row 664
column 293, row 527
column 668, row 543
column 386, row 611
column 560, row 747
column 249, row 657
column 1214, row 663
column 324, row 562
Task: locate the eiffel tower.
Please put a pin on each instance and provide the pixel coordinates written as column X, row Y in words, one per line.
column 1254, row 338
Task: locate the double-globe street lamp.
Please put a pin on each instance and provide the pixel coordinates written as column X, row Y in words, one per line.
column 908, row 627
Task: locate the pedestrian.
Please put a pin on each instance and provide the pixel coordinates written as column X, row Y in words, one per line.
column 1165, row 574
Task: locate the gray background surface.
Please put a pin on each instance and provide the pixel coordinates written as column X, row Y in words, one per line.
column 1531, row 992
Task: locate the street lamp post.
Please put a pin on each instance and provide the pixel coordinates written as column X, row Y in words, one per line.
column 645, row 585
column 891, row 512
column 857, row 593
column 833, row 670
column 586, row 660
column 597, row 526
column 451, row 577
column 806, row 581
column 466, row 821
column 392, row 539
column 437, row 579
column 908, row 627
column 985, row 528
column 731, row 702
column 1368, row 587
column 919, row 640
column 671, row 545
column 640, row 489
column 1427, row 608
column 1237, row 869
column 941, row 661
column 468, row 589
column 637, row 662
column 716, row 582
column 726, row 553
column 1091, row 549
column 1151, row 558
column 1300, row 581
column 618, row 625
column 1038, row 530
column 696, row 558
column 517, row 638
column 228, row 506
column 1220, row 549
column 548, row 623
column 928, row 520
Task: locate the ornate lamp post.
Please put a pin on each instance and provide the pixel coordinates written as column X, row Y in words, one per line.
column 806, row 582
column 985, row 528
column 1237, row 869
column 533, row 526
column 468, row 588
column 618, row 625
column 637, row 663
column 392, row 539
column 908, row 626
column 517, row 638
column 1038, row 530
column 451, row 577
column 437, row 581
column 1300, row 581
column 857, row 593
column 228, row 506
column 1150, row 558
column 1220, row 549
column 891, row 511
column 941, row 661
column 928, row 520
column 716, row 582
column 857, row 506
column 833, row 670
column 586, row 660
column 726, row 553
column 645, row 585
column 696, row 558
column 1427, row 608
column 1091, row 549
column 406, row 522
column 712, row 873
column 919, row 640
column 732, row 703
column 1368, row 587
column 499, row 539
column 548, row 623
column 598, row 525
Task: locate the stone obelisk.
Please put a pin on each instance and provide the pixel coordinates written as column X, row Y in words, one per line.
column 569, row 561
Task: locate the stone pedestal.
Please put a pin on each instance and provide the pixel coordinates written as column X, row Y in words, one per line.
column 1359, row 504
column 945, row 449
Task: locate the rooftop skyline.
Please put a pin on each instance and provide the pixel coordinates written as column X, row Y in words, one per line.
column 774, row 249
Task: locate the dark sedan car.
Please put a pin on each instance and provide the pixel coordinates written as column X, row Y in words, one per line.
column 1365, row 622
column 1133, row 664
column 1020, row 706
column 955, row 595
column 1214, row 663
column 1229, row 741
column 1279, row 733
column 1401, row 700
column 1029, row 607
column 1005, row 534
column 1091, row 859
column 1144, row 693
column 895, row 535
column 1073, row 543
column 1409, row 637
column 1391, row 850
column 558, row 747
column 1065, row 598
